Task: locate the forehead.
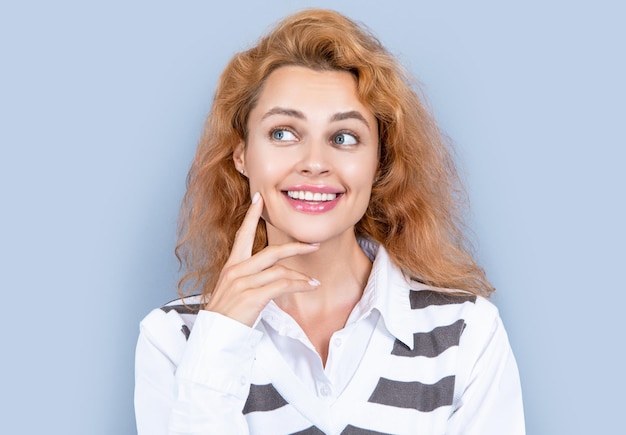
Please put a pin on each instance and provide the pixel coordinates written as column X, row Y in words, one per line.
column 309, row 90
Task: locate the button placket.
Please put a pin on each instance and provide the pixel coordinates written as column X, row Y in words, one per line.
column 325, row 390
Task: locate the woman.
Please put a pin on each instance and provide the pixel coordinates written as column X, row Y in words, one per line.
column 320, row 232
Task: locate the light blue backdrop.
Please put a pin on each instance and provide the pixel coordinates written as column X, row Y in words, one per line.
column 102, row 104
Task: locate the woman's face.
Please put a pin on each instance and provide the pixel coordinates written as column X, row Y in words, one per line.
column 312, row 153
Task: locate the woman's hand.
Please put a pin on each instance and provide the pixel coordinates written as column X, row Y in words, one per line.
column 247, row 283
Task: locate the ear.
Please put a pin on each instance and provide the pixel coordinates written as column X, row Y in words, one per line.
column 239, row 157
column 377, row 175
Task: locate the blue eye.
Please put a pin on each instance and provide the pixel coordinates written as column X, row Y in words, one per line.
column 280, row 134
column 344, row 139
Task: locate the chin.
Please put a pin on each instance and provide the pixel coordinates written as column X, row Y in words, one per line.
column 304, row 235
column 307, row 237
column 310, row 239
column 307, row 229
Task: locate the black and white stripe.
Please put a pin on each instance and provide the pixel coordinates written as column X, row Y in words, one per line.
column 433, row 343
column 414, row 395
column 425, row 298
column 263, row 398
column 408, row 393
column 411, row 383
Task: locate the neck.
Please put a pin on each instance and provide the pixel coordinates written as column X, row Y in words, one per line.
column 342, row 269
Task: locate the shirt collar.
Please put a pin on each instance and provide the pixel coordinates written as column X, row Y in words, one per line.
column 387, row 291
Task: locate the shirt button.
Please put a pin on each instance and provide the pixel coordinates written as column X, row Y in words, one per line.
column 337, row 341
column 243, row 380
column 325, row 390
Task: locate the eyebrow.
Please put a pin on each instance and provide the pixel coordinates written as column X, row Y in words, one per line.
column 283, row 111
column 352, row 114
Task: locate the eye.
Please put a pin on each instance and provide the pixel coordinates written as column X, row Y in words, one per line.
column 345, row 139
column 282, row 134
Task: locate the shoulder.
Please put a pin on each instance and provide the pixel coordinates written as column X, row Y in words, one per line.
column 472, row 323
column 427, row 302
column 179, row 312
column 168, row 327
column 472, row 319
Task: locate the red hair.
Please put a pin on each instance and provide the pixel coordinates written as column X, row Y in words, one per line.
column 414, row 208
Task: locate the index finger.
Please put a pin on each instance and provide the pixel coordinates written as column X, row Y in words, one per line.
column 244, row 239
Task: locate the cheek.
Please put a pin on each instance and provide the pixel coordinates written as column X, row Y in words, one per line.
column 263, row 171
column 361, row 172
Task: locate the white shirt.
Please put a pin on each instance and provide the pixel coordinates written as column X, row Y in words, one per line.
column 410, row 360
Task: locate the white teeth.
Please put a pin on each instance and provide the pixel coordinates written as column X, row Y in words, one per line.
column 310, row 196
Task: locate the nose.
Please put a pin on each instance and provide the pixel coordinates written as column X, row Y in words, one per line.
column 315, row 159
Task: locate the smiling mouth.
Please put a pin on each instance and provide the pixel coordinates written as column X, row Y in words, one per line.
column 303, row 195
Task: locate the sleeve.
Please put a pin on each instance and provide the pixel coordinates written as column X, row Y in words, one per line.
column 490, row 398
column 197, row 386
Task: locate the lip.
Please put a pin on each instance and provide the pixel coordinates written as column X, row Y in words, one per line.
column 315, row 188
column 313, row 207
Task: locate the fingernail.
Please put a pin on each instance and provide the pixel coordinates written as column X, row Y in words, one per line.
column 256, row 197
column 314, row 282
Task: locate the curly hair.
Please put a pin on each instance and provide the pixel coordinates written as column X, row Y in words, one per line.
column 415, row 210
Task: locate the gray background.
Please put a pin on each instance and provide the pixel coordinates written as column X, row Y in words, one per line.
column 101, row 107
